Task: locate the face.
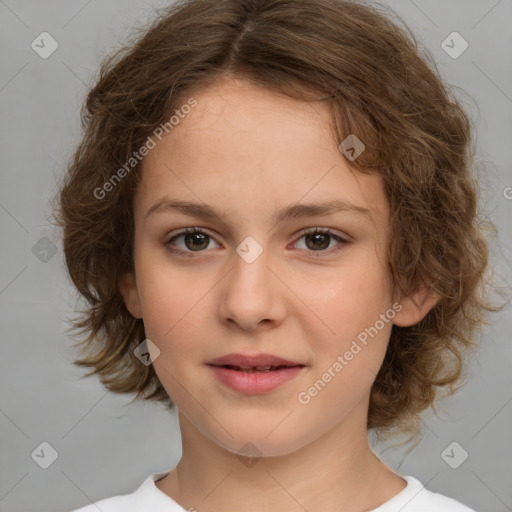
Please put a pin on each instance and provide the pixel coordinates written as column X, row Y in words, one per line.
column 250, row 283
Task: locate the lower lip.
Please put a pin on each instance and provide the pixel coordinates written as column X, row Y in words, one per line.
column 255, row 383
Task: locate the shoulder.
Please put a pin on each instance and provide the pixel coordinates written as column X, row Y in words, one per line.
column 417, row 498
column 147, row 497
column 430, row 501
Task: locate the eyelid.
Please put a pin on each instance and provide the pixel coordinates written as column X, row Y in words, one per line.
column 190, row 229
column 329, row 231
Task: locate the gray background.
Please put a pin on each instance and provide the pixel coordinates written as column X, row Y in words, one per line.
column 106, row 446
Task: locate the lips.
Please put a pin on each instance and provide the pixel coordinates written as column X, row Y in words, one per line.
column 253, row 363
column 257, row 374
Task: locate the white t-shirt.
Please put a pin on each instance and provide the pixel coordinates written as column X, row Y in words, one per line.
column 149, row 498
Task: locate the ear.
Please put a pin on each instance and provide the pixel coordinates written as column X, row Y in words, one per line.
column 416, row 306
column 130, row 294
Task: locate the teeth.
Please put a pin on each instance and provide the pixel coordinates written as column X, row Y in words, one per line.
column 254, row 369
column 268, row 368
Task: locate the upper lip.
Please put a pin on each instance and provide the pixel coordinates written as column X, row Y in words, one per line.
column 252, row 361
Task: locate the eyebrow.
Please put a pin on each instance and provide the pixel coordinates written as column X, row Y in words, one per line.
column 294, row 211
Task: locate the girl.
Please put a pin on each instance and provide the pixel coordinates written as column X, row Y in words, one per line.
column 273, row 218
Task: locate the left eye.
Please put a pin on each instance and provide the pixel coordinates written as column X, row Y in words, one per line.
column 320, row 239
column 195, row 240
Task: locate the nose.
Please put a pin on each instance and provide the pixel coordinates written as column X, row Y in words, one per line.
column 252, row 294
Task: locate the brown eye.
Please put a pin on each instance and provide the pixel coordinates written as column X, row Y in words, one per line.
column 194, row 240
column 318, row 240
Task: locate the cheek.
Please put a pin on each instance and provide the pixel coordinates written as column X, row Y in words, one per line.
column 172, row 304
column 173, row 324
column 174, row 329
column 167, row 293
column 351, row 305
column 352, row 298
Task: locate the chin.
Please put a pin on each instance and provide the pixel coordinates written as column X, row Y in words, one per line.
column 257, row 443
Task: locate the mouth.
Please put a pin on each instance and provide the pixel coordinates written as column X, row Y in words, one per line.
column 255, row 374
column 258, row 369
column 256, row 381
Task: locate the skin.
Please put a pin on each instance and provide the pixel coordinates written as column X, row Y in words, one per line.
column 247, row 152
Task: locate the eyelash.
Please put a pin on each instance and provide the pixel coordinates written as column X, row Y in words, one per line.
column 310, row 231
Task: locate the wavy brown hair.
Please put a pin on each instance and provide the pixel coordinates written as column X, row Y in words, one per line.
column 380, row 85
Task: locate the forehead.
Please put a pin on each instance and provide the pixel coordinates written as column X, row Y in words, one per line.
column 250, row 148
column 254, row 118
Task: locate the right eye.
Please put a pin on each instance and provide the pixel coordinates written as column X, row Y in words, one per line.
column 194, row 240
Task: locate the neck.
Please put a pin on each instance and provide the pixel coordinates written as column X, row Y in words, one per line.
column 337, row 471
